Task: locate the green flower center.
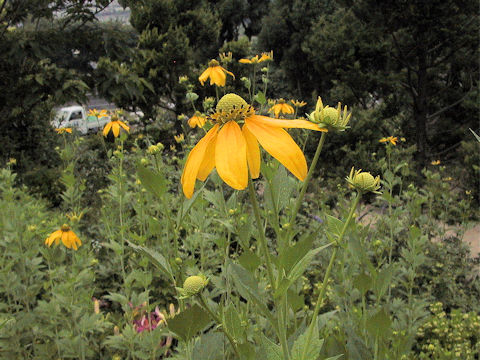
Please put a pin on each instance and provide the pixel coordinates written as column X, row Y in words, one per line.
column 65, row 228
column 232, row 107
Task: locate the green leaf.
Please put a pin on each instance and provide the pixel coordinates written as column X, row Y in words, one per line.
column 153, row 181
column 292, row 254
column 379, row 324
column 156, row 258
column 334, row 357
column 189, row 322
column 383, row 280
column 334, row 225
column 249, row 260
column 271, row 350
column 209, row 347
column 298, row 269
column 302, row 351
column 233, row 323
column 362, row 282
column 260, row 98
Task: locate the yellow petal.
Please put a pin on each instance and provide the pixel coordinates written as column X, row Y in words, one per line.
column 106, row 129
column 253, row 152
column 205, row 75
column 231, row 156
column 245, row 61
column 278, row 143
column 287, row 109
column 229, row 73
column 65, row 239
column 286, row 124
column 125, row 126
column 218, row 77
column 115, row 128
column 195, row 160
column 208, row 162
column 53, row 236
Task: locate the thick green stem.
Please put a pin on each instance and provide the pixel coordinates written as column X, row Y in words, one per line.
column 214, row 316
column 309, row 176
column 326, row 277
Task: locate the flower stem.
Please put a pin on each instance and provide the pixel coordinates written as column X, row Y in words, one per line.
column 327, row 275
column 214, row 316
column 309, row 176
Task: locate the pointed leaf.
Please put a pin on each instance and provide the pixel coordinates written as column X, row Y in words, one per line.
column 189, row 322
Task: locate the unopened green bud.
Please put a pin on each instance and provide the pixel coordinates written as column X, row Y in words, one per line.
column 332, row 119
column 363, row 181
column 194, row 284
column 178, row 261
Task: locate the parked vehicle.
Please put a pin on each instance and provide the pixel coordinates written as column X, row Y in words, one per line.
column 76, row 117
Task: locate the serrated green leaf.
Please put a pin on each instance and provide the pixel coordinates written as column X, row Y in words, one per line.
column 302, row 351
column 156, row 258
column 362, row 282
column 249, row 260
column 334, row 225
column 233, row 324
column 153, row 181
column 189, row 322
column 271, row 350
column 379, row 323
column 260, row 98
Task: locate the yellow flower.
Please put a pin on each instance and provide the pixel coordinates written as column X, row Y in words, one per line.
column 391, row 139
column 197, row 120
column 255, row 59
column 298, row 103
column 216, row 73
column 114, row 125
column 226, row 58
column 64, row 130
column 234, row 151
column 435, row 162
column 179, row 138
column 12, row 161
column 68, row 237
column 98, row 114
column 281, row 107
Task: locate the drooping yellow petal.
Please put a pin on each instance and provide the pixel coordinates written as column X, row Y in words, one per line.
column 115, row 128
column 286, row 124
column 231, row 156
column 106, row 129
column 205, row 75
column 208, row 162
column 53, row 237
column 125, row 126
column 253, row 152
column 195, row 160
column 278, row 143
column 66, row 240
column 245, row 61
column 218, row 77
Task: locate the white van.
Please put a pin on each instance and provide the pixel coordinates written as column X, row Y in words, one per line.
column 75, row 117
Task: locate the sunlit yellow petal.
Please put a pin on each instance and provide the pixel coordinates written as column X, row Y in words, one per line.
column 287, row 109
column 194, row 161
column 245, row 61
column 218, row 77
column 115, row 128
column 65, row 239
column 53, row 237
column 253, row 152
column 229, row 73
column 287, row 124
column 205, row 75
column 106, row 129
column 125, row 126
column 231, row 156
column 278, row 143
column 208, row 162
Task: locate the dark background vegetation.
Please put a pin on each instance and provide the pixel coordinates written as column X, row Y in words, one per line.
column 407, row 68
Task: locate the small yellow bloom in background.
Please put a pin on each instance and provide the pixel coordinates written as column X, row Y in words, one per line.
column 468, row 192
column 98, row 114
column 197, row 120
column 155, row 149
column 281, row 107
column 226, row 58
column 402, row 139
column 183, row 79
column 448, row 178
column 234, row 151
column 391, row 139
column 114, row 125
column 256, row 59
column 216, row 73
column 298, row 103
column 179, row 138
column 63, row 130
column 74, row 217
column 329, row 118
column 435, row 162
column 68, row 237
column 12, row 161
column 363, row 181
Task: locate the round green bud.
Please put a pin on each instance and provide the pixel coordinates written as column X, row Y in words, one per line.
column 229, row 102
column 194, row 284
column 330, row 115
column 364, row 181
column 178, row 261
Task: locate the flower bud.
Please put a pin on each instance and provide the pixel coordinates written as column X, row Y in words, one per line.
column 330, row 118
column 363, row 181
column 194, row 284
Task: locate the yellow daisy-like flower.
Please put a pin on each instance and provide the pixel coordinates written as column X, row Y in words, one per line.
column 114, row 125
column 179, row 138
column 256, row 59
column 216, row 73
column 197, row 120
column 63, row 130
column 391, row 139
column 98, row 114
column 234, row 150
column 281, row 107
column 298, row 103
column 68, row 237
column 435, row 162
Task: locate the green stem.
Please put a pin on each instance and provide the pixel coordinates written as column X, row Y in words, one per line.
column 120, row 207
column 327, row 275
column 309, row 176
column 214, row 316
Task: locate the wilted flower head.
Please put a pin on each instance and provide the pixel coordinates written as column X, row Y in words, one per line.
column 68, row 237
column 216, row 73
column 256, row 59
column 281, row 107
column 363, row 181
column 298, row 103
column 197, row 120
column 330, row 118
